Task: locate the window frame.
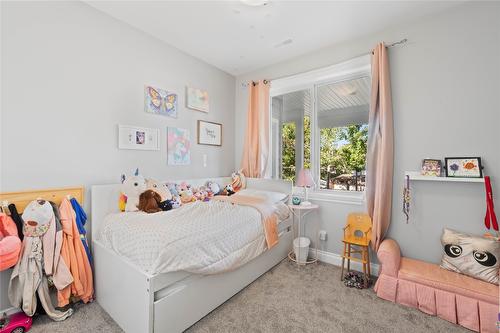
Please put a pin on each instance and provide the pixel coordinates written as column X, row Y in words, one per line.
column 312, row 80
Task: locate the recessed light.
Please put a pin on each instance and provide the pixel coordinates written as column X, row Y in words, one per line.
column 255, row 3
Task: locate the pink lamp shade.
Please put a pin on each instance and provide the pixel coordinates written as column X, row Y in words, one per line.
column 305, row 178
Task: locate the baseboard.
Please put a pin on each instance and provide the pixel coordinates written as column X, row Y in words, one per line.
column 336, row 259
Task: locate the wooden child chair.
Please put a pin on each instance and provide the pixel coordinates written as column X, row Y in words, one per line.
column 357, row 233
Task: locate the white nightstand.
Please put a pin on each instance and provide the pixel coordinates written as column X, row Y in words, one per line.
column 299, row 212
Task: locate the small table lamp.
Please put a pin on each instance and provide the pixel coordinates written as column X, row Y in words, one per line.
column 305, row 180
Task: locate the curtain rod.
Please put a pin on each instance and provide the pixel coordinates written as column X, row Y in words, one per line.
column 399, row 42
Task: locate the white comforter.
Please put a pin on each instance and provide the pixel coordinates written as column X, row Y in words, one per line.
column 201, row 237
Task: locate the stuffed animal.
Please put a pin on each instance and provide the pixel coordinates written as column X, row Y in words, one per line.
column 187, row 195
column 176, row 202
column 149, row 201
column 213, row 188
column 239, row 181
column 172, row 187
column 228, row 190
column 132, row 187
column 160, row 188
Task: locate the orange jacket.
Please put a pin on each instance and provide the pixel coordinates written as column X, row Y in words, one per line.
column 75, row 257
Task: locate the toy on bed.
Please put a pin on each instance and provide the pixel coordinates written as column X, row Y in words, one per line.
column 239, row 181
column 228, row 190
column 149, row 201
column 132, row 187
column 213, row 188
column 186, row 193
column 163, row 191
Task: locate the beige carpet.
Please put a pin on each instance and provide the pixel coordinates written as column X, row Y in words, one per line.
column 285, row 299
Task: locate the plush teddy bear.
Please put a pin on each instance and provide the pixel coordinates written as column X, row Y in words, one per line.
column 160, row 188
column 149, row 201
column 132, row 187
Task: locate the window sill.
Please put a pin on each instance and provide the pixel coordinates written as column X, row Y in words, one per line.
column 341, row 197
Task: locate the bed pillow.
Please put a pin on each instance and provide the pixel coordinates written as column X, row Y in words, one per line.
column 270, row 196
column 474, row 256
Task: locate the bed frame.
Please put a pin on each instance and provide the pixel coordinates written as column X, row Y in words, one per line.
column 170, row 302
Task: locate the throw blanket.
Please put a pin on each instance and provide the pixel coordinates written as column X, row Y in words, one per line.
column 266, row 210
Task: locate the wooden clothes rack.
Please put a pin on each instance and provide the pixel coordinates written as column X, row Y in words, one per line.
column 22, row 198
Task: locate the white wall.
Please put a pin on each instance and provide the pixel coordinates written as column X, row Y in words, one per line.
column 70, row 75
column 445, row 85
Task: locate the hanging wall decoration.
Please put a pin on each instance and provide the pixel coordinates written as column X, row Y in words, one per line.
column 160, row 101
column 178, row 146
column 197, row 99
column 142, row 138
column 209, row 133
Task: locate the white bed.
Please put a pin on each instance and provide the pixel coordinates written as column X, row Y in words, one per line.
column 170, row 302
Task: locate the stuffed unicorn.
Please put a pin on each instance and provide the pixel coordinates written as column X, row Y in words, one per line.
column 132, row 187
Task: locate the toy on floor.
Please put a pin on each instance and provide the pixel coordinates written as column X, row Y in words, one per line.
column 132, row 187
column 16, row 323
column 356, row 280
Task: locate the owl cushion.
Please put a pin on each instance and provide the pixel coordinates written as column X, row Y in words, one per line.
column 474, row 256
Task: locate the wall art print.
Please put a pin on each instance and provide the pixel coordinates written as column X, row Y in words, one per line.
column 160, row 101
column 178, row 146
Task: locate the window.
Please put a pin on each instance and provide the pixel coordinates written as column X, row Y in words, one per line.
column 320, row 121
column 291, row 133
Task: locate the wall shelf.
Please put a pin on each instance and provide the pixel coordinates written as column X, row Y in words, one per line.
column 415, row 175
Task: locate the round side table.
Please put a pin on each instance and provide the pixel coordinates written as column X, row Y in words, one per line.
column 300, row 212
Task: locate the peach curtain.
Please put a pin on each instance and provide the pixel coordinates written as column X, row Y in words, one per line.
column 256, row 148
column 380, row 151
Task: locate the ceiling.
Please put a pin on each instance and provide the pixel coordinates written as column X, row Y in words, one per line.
column 238, row 38
column 350, row 97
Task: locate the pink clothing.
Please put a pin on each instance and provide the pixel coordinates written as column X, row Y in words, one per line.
column 10, row 244
column 457, row 298
column 74, row 255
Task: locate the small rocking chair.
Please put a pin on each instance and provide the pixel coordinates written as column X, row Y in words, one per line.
column 357, row 233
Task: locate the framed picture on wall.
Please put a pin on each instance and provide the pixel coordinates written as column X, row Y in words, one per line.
column 465, row 167
column 197, row 99
column 141, row 138
column 209, row 133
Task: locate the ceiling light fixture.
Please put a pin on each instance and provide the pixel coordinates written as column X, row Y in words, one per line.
column 255, row 3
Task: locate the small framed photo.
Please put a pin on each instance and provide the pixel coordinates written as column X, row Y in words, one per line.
column 209, row 133
column 141, row 138
column 464, row 167
column 431, row 168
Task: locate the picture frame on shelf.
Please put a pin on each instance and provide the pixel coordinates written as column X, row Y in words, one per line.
column 209, row 133
column 463, row 167
column 139, row 138
column 431, row 167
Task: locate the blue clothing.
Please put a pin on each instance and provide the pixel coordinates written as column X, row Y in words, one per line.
column 81, row 218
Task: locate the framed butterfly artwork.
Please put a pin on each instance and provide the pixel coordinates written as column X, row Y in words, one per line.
column 160, row 101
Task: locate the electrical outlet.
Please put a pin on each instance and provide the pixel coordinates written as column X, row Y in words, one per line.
column 204, row 160
column 322, row 235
